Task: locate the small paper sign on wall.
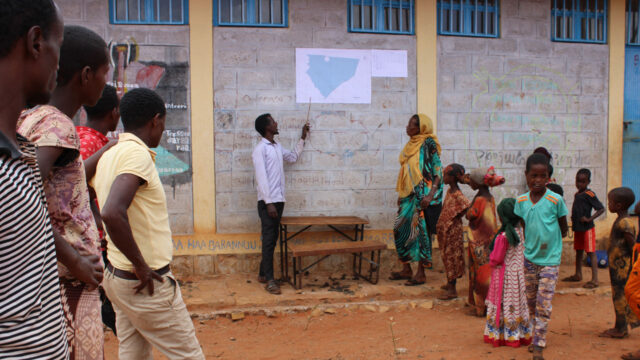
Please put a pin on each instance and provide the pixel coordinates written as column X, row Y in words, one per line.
column 389, row 63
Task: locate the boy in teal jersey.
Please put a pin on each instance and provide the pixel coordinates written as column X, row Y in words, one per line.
column 545, row 217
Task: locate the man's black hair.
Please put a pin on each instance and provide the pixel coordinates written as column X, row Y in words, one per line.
column 108, row 101
column 81, row 47
column 537, row 159
column 18, row 16
column 585, row 172
column 555, row 188
column 139, row 106
column 457, row 170
column 623, row 196
column 261, row 123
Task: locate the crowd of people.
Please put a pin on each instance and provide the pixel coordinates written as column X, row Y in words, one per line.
column 85, row 237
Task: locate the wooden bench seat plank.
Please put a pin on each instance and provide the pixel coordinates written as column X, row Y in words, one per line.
column 345, row 247
column 323, row 220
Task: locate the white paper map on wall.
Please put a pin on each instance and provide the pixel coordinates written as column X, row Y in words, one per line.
column 333, row 76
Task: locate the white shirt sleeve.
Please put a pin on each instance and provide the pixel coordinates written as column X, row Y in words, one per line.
column 292, row 156
column 261, row 175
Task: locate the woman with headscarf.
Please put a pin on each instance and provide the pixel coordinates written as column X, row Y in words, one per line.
column 419, row 190
column 507, row 311
column 483, row 226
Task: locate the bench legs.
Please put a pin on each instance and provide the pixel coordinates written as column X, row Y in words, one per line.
column 373, row 274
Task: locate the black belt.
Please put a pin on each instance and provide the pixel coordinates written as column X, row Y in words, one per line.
column 132, row 276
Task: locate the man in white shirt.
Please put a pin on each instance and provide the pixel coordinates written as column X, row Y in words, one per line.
column 268, row 157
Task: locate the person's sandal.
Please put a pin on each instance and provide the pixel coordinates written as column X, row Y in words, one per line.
column 613, row 334
column 572, row 278
column 398, row 276
column 537, row 353
column 273, row 287
column 590, row 285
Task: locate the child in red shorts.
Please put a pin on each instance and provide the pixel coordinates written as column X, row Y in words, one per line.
column 584, row 232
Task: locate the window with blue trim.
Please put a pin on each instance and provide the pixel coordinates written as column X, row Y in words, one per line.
column 382, row 16
column 164, row 12
column 633, row 22
column 478, row 18
column 579, row 21
column 260, row 13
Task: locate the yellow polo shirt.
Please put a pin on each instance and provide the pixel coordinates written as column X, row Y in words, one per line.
column 147, row 213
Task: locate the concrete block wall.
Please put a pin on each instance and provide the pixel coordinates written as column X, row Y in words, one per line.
column 349, row 165
column 498, row 99
column 161, row 63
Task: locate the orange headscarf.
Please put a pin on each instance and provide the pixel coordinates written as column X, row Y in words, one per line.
column 410, row 173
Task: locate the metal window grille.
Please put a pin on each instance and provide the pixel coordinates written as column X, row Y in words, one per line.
column 382, row 16
column 164, row 12
column 259, row 13
column 478, row 18
column 633, row 22
column 579, row 21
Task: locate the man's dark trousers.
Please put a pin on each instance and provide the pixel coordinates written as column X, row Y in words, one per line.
column 270, row 231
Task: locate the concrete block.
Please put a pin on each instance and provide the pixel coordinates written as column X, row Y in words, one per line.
column 367, row 159
column 384, row 139
column 173, row 35
column 519, row 102
column 471, row 83
column 499, row 121
column 389, row 101
column 329, row 161
column 517, row 140
column 579, row 141
column 590, row 158
column 541, row 122
column 242, row 180
column 473, row 121
column 487, row 102
column 225, row 79
column 534, row 10
column 534, row 47
column 224, row 119
column 243, row 202
column 446, row 83
column 521, row 66
column 487, row 65
column 329, row 200
column 550, row 103
column 502, row 46
column 550, row 140
column 72, row 10
column 245, row 140
column 349, row 140
column 298, row 201
column 223, row 141
column 382, row 179
column 263, row 79
column 235, row 58
column 551, row 67
column 454, row 102
column 242, row 160
column 329, row 120
column 95, row 11
column 308, row 17
column 504, row 84
column 275, row 99
column 567, row 50
column 453, row 63
column 485, row 140
column 335, row 19
column 454, row 139
column 459, row 44
column 517, row 28
column 447, row 121
column 276, row 57
column 182, row 265
column 509, row 9
column 204, row 265
column 401, row 84
column 223, row 161
column 371, row 121
column 592, row 104
column 285, row 79
column 594, row 86
column 588, row 69
column 225, row 99
column 539, row 84
column 245, row 222
column 369, row 199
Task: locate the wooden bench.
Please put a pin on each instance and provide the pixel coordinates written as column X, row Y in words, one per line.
column 357, row 248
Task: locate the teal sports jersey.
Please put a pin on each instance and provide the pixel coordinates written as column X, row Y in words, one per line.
column 542, row 236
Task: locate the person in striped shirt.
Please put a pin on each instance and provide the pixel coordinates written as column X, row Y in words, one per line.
column 31, row 317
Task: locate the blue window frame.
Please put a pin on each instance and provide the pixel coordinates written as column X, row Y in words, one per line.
column 382, row 16
column 633, row 22
column 259, row 13
column 479, row 18
column 164, row 12
column 579, row 21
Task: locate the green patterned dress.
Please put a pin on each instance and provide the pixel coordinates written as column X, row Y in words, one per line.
column 410, row 229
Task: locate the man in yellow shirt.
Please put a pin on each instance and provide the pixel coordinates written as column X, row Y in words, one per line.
column 138, row 281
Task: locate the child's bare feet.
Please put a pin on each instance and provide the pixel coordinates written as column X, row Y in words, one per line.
column 537, row 353
column 614, row 334
column 450, row 294
column 573, row 278
column 631, row 356
column 590, row 285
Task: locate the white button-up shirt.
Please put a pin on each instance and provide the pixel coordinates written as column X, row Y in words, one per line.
column 268, row 163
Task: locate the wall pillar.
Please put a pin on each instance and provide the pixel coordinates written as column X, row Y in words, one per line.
column 202, row 122
column 427, row 58
column 616, row 92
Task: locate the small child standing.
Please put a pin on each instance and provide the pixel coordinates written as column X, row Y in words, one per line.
column 507, row 312
column 483, row 225
column 584, row 231
column 545, row 218
column 620, row 251
column 449, row 229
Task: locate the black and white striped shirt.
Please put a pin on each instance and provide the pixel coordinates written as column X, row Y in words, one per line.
column 31, row 317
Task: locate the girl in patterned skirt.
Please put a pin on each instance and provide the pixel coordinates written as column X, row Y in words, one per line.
column 507, row 311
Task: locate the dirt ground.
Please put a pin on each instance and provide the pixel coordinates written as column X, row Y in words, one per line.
column 404, row 332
